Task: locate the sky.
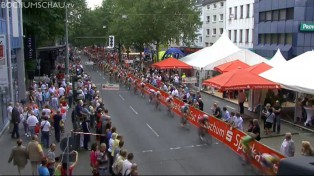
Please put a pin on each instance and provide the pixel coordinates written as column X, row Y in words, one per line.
column 93, row 3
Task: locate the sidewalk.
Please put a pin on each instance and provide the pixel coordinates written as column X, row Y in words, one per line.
column 300, row 133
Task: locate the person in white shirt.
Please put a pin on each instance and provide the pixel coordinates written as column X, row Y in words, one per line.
column 287, row 147
column 45, row 128
column 226, row 115
column 46, row 110
column 52, row 89
column 32, row 122
column 127, row 164
column 9, row 110
column 238, row 122
column 61, row 91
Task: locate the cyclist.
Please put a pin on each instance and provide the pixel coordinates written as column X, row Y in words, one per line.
column 185, row 113
column 129, row 83
column 246, row 141
column 269, row 163
column 169, row 102
column 203, row 121
column 142, row 88
column 151, row 95
column 157, row 99
column 135, row 86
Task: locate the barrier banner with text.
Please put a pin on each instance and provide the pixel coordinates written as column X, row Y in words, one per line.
column 219, row 129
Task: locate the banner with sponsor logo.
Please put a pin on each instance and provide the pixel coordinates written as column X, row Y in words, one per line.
column 222, row 131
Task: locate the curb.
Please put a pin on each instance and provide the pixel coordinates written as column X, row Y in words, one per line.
column 283, row 120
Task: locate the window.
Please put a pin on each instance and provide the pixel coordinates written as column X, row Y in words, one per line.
column 221, row 4
column 215, row 6
column 235, row 36
column 215, row 18
column 208, row 6
column 289, row 39
column 240, row 37
column 221, row 17
column 261, row 39
column 262, row 17
column 247, row 35
column 229, row 34
column 248, row 11
column 230, row 13
column 221, row 30
column 200, row 39
column 208, row 19
column 206, row 44
column 274, row 39
column 275, row 15
column 207, row 31
column 290, row 14
column 214, row 31
column 281, row 39
column 268, row 16
column 282, row 14
column 268, row 39
column 235, row 12
column 241, row 11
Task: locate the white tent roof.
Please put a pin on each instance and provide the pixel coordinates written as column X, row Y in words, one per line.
column 296, row 74
column 222, row 48
column 243, row 55
column 277, row 60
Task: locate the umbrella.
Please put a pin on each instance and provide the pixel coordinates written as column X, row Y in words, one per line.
column 171, row 63
column 259, row 68
column 226, row 67
column 240, row 79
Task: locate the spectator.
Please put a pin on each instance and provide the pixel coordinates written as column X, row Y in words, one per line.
column 51, row 159
column 57, row 118
column 238, row 122
column 200, row 104
column 102, row 160
column 256, row 131
column 65, row 169
column 117, row 166
column 250, row 126
column 9, row 110
column 264, row 114
column 241, row 100
column 42, row 169
column 93, row 158
column 226, row 114
column 19, row 155
column 277, row 111
column 45, row 129
column 127, row 164
column 35, row 153
column 16, row 121
column 216, row 111
column 270, row 116
column 307, row 149
column 287, row 147
column 32, row 121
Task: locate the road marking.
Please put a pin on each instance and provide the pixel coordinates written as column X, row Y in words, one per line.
column 146, row 151
column 121, row 97
column 175, row 148
column 230, row 107
column 152, row 130
column 133, row 110
column 189, row 146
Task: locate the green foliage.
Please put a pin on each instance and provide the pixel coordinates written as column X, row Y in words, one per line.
column 30, row 64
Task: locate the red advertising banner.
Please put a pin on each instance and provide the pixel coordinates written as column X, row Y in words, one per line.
column 222, row 131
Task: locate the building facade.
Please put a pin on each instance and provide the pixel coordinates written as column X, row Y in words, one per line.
column 287, row 25
column 240, row 22
column 11, row 58
column 199, row 33
column 213, row 21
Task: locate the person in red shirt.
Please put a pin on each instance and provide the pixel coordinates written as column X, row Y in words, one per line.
column 65, row 171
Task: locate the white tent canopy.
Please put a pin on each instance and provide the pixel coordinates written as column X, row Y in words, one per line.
column 277, row 60
column 222, row 48
column 243, row 55
column 296, row 74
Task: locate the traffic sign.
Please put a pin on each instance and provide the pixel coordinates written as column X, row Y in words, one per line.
column 109, row 86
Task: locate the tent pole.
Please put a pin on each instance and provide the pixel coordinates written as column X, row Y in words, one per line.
column 295, row 106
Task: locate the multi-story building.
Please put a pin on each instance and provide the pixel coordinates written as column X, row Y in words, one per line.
column 11, row 57
column 287, row 25
column 240, row 22
column 199, row 33
column 213, row 20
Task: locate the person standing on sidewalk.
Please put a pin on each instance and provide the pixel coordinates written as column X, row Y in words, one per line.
column 51, row 159
column 35, row 153
column 32, row 121
column 19, row 156
column 277, row 111
column 45, row 128
column 9, row 110
column 16, row 121
column 241, row 100
column 57, row 118
column 287, row 147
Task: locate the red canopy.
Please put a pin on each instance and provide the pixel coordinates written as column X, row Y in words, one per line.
column 259, row 68
column 171, row 63
column 226, row 67
column 240, row 79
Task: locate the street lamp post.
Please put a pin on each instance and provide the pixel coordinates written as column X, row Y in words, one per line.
column 67, row 41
